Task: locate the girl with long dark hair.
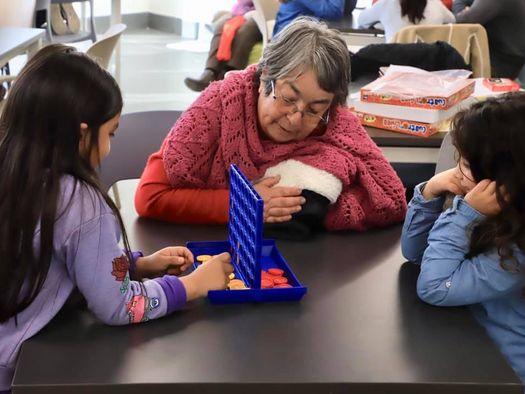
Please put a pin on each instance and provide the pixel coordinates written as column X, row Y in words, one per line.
column 59, row 230
column 474, row 252
column 396, row 14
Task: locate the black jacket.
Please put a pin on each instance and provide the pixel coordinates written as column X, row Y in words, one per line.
column 431, row 57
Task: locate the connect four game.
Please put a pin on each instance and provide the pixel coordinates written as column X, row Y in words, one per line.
column 261, row 274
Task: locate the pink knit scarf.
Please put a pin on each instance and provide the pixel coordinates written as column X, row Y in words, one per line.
column 220, row 128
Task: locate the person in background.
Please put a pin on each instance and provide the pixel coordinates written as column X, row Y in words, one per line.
column 396, row 14
column 504, row 22
column 234, row 36
column 285, row 124
column 473, row 253
column 321, row 9
column 59, row 230
column 447, row 3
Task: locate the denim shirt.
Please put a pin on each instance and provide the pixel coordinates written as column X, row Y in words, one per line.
column 439, row 241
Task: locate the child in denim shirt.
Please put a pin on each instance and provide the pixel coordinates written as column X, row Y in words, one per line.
column 473, row 252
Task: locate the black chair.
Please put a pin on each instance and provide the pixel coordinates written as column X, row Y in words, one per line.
column 139, row 135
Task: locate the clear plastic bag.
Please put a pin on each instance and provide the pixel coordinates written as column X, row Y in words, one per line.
column 411, row 82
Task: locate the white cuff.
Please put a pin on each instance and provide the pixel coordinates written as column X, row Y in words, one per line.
column 297, row 174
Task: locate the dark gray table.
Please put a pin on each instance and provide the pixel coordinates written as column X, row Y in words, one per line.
column 348, row 24
column 359, row 329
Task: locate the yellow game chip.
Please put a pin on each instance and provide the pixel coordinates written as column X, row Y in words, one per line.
column 203, row 258
column 231, row 276
column 239, row 288
column 236, row 284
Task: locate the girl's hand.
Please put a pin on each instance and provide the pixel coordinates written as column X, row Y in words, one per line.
column 280, row 202
column 446, row 181
column 211, row 275
column 172, row 260
column 483, row 198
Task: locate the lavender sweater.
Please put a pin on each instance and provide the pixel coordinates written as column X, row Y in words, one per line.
column 87, row 255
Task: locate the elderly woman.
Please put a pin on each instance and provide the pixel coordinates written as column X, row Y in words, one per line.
column 285, row 125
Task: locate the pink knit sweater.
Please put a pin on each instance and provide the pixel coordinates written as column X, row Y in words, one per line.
column 220, row 128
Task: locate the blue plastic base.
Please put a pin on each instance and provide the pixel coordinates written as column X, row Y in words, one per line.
column 270, row 258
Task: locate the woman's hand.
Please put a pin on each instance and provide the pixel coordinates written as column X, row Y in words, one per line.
column 211, row 275
column 483, row 198
column 280, row 202
column 172, row 260
column 446, row 181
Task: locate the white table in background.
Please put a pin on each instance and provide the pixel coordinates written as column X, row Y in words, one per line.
column 15, row 41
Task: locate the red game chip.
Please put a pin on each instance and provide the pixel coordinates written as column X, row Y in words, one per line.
column 276, row 272
column 280, row 280
column 266, row 284
column 282, row 286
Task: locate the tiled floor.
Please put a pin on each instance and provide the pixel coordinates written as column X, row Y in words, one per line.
column 152, row 78
column 152, row 75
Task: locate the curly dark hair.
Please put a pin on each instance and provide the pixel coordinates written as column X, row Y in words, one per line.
column 490, row 135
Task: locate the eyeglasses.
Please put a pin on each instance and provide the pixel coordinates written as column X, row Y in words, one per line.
column 291, row 104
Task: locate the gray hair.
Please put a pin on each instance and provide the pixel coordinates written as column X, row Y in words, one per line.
column 308, row 44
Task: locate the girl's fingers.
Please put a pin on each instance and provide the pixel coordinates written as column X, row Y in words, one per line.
column 455, row 189
column 482, row 185
column 224, row 257
column 491, row 188
column 187, row 254
column 177, row 260
column 454, row 186
column 228, row 268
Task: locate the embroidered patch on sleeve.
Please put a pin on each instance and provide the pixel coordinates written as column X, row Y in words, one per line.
column 137, row 308
column 121, row 271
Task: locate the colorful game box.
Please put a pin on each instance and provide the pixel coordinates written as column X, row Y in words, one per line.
column 399, row 125
column 378, row 92
column 501, row 84
column 251, row 254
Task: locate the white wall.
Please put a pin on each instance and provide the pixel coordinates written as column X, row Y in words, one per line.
column 187, row 10
column 103, row 7
column 19, row 14
column 190, row 10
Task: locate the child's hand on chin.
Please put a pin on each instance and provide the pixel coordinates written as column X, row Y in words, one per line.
column 444, row 182
column 483, row 198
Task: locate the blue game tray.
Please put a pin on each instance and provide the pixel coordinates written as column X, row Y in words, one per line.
column 250, row 253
